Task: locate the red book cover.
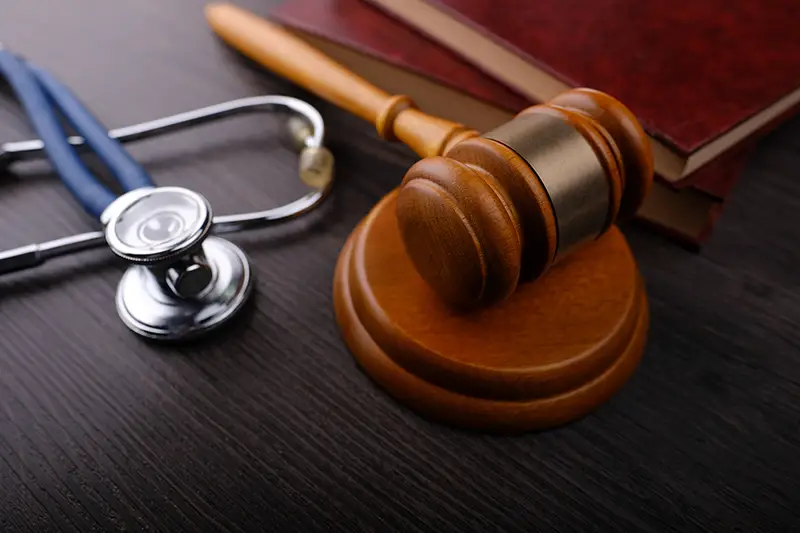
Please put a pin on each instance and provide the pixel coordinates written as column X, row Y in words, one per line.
column 382, row 50
column 356, row 24
column 701, row 75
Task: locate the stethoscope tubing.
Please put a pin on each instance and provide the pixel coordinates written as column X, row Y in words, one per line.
column 29, row 256
column 43, row 97
column 181, row 281
column 129, row 173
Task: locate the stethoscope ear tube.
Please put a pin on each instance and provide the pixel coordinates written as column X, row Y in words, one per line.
column 44, row 99
column 129, row 173
column 37, row 106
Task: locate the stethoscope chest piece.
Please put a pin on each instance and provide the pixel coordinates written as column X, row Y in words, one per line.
column 182, row 281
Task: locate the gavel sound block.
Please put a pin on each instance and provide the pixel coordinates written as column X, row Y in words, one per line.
column 492, row 289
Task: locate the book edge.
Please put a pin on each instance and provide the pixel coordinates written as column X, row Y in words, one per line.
column 672, row 163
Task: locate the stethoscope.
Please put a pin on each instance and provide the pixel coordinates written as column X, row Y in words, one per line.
column 184, row 280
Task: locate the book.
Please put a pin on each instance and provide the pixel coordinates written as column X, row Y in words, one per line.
column 402, row 61
column 702, row 76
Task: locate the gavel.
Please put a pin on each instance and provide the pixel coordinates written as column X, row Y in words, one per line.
column 480, row 213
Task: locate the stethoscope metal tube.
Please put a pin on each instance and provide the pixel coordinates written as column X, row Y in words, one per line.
column 33, row 255
column 11, row 152
column 182, row 281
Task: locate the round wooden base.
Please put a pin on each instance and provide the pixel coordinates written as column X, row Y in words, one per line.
column 553, row 352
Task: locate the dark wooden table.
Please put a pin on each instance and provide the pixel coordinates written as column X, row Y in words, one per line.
column 271, row 426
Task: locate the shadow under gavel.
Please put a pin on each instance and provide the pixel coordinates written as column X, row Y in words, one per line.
column 480, row 213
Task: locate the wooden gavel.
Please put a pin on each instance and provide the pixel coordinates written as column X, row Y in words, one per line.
column 480, row 213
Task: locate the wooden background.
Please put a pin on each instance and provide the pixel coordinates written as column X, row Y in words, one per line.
column 271, row 426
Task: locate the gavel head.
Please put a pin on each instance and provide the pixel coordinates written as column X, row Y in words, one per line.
column 501, row 208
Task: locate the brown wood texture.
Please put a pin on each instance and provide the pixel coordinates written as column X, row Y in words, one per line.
column 533, row 206
column 395, row 117
column 271, row 425
column 459, row 221
column 553, row 352
column 461, row 231
column 479, row 220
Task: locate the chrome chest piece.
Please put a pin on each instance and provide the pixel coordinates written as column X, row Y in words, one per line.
column 183, row 281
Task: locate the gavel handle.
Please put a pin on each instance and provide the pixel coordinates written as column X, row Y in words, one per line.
column 395, row 117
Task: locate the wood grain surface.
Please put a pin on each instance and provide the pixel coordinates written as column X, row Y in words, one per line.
column 270, row 426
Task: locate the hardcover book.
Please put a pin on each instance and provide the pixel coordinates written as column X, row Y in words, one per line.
column 701, row 75
column 398, row 59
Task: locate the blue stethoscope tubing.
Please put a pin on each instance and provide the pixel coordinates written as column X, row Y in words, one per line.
column 43, row 97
